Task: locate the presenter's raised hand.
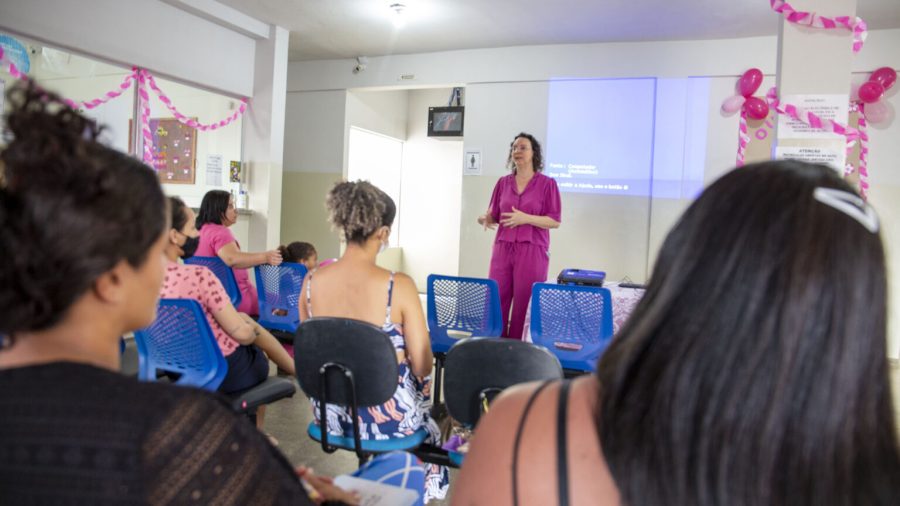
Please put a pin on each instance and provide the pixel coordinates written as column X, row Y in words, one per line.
column 487, row 221
column 514, row 218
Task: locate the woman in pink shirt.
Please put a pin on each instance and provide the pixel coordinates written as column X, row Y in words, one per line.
column 217, row 213
column 244, row 343
column 526, row 205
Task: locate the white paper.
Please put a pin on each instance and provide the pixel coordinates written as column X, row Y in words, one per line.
column 377, row 494
column 830, row 107
column 472, row 162
column 214, row 170
column 835, row 158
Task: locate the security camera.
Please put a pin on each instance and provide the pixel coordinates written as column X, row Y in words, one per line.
column 361, row 63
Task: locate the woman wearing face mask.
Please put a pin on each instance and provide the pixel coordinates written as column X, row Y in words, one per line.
column 217, row 213
column 241, row 339
column 354, row 287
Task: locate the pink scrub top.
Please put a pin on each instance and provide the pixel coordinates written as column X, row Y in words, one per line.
column 198, row 283
column 540, row 198
column 214, row 237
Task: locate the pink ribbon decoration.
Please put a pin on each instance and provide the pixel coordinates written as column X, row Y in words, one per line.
column 863, row 152
column 813, row 20
column 144, row 99
column 74, row 104
column 743, row 140
column 190, row 121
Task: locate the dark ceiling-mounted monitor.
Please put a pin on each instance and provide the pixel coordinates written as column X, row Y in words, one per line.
column 445, row 121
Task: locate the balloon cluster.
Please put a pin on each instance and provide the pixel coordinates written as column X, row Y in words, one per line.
column 753, row 107
column 871, row 92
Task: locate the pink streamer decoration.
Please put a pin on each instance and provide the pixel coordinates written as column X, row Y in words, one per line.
column 863, row 153
column 190, row 121
column 743, row 140
column 813, row 20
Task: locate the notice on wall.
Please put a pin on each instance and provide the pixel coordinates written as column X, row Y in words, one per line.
column 214, row 170
column 472, row 162
column 830, row 107
column 834, row 157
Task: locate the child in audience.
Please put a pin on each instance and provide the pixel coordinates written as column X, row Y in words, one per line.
column 753, row 371
column 300, row 253
column 355, row 287
column 246, row 345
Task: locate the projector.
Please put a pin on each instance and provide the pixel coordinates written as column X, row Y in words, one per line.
column 581, row 277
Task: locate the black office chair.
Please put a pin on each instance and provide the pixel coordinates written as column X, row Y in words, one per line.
column 477, row 370
column 348, row 363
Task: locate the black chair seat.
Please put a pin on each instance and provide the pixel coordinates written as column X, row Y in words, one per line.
column 270, row 390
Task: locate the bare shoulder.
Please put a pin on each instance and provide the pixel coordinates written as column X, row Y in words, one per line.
column 487, row 476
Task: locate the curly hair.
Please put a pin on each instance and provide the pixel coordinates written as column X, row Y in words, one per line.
column 359, row 208
column 537, row 160
column 70, row 210
column 296, row 251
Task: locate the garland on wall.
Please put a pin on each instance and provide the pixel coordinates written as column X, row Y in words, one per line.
column 866, row 100
column 144, row 79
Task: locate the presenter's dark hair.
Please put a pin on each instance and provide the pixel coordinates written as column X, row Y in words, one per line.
column 70, row 210
column 754, row 369
column 359, row 209
column 213, row 207
column 537, row 159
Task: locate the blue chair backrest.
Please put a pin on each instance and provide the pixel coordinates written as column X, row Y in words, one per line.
column 180, row 341
column 223, row 272
column 279, row 288
column 461, row 307
column 574, row 322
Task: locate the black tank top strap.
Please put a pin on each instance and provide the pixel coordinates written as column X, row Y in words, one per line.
column 562, row 454
column 515, row 457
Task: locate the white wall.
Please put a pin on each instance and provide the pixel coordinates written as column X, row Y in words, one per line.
column 147, row 33
column 430, row 194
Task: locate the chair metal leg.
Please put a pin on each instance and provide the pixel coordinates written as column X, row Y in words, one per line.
column 438, row 378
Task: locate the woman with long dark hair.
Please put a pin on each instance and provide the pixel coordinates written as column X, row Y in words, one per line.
column 217, row 213
column 753, row 371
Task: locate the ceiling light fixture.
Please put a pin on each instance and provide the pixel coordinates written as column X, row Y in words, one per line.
column 398, row 18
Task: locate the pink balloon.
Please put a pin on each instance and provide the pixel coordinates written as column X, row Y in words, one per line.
column 885, row 76
column 733, row 104
column 756, row 108
column 877, row 112
column 871, row 92
column 749, row 82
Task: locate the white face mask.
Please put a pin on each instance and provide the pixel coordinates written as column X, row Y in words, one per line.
column 385, row 244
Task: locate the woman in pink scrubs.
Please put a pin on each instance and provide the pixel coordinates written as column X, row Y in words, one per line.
column 217, row 213
column 526, row 205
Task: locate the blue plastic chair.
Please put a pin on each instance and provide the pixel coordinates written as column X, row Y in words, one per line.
column 180, row 341
column 223, row 272
column 574, row 322
column 279, row 288
column 459, row 308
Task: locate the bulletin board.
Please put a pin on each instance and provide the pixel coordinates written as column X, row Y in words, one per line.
column 174, row 150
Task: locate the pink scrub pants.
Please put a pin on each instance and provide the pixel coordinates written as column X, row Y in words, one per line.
column 516, row 266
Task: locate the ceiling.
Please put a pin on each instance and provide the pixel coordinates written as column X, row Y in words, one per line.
column 327, row 29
